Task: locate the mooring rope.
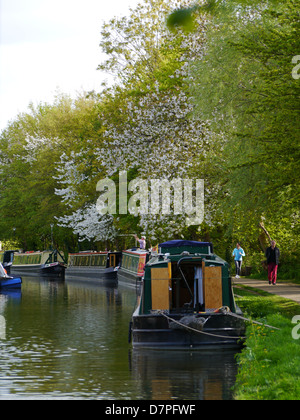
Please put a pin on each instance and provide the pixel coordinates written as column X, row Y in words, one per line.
column 251, row 320
column 198, row 331
column 217, row 335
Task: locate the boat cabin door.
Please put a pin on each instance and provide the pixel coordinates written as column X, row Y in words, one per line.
column 161, row 287
column 112, row 260
column 212, row 276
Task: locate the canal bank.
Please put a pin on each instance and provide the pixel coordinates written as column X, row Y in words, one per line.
column 286, row 290
column 269, row 365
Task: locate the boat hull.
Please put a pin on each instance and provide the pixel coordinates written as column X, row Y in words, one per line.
column 43, row 270
column 14, row 282
column 129, row 279
column 28, row 269
column 56, row 270
column 91, row 274
column 168, row 331
column 111, row 273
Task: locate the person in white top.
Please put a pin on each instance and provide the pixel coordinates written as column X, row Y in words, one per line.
column 142, row 241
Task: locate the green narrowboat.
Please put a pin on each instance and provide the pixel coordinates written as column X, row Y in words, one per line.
column 43, row 263
column 186, row 300
column 131, row 271
column 90, row 265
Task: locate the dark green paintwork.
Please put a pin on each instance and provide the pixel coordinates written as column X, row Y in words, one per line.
column 163, row 260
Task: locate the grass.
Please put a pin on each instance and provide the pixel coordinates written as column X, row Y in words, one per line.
column 269, row 365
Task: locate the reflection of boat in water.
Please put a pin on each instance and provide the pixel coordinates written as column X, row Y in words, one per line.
column 185, row 375
column 44, row 263
column 7, row 281
column 186, row 300
column 91, row 265
column 14, row 293
column 133, row 263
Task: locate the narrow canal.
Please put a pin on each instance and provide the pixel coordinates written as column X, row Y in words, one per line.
column 70, row 341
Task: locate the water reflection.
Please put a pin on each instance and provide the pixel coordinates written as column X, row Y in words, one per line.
column 165, row 375
column 70, row 340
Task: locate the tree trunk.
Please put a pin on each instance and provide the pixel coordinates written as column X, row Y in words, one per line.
column 263, row 237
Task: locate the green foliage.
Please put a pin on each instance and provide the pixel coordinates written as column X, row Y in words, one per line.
column 181, row 18
column 139, row 49
column 55, row 154
column 253, row 101
column 31, row 148
column 242, row 138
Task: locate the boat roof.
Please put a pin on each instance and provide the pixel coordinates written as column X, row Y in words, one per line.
column 177, row 246
column 135, row 251
column 180, row 243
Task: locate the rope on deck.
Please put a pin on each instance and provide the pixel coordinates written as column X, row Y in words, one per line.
column 251, row 320
column 217, row 335
column 198, row 331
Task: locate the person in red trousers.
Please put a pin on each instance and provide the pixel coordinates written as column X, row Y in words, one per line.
column 272, row 254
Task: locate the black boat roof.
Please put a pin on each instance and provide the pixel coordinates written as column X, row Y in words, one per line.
column 181, row 242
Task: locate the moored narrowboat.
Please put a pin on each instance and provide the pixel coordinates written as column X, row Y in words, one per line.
column 55, row 266
column 131, row 271
column 43, row 263
column 186, row 300
column 92, row 265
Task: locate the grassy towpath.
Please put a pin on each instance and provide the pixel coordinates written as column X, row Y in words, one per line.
column 269, row 364
column 286, row 290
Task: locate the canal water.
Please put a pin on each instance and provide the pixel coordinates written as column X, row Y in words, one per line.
column 70, row 341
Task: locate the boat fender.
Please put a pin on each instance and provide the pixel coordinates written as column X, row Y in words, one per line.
column 194, row 322
column 222, row 310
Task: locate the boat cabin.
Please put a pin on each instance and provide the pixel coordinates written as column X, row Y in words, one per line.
column 133, row 263
column 37, row 258
column 186, row 276
column 103, row 259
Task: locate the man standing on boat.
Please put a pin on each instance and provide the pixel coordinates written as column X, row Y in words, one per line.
column 142, row 241
column 238, row 254
column 272, row 254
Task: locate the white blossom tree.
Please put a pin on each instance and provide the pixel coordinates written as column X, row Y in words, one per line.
column 152, row 132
